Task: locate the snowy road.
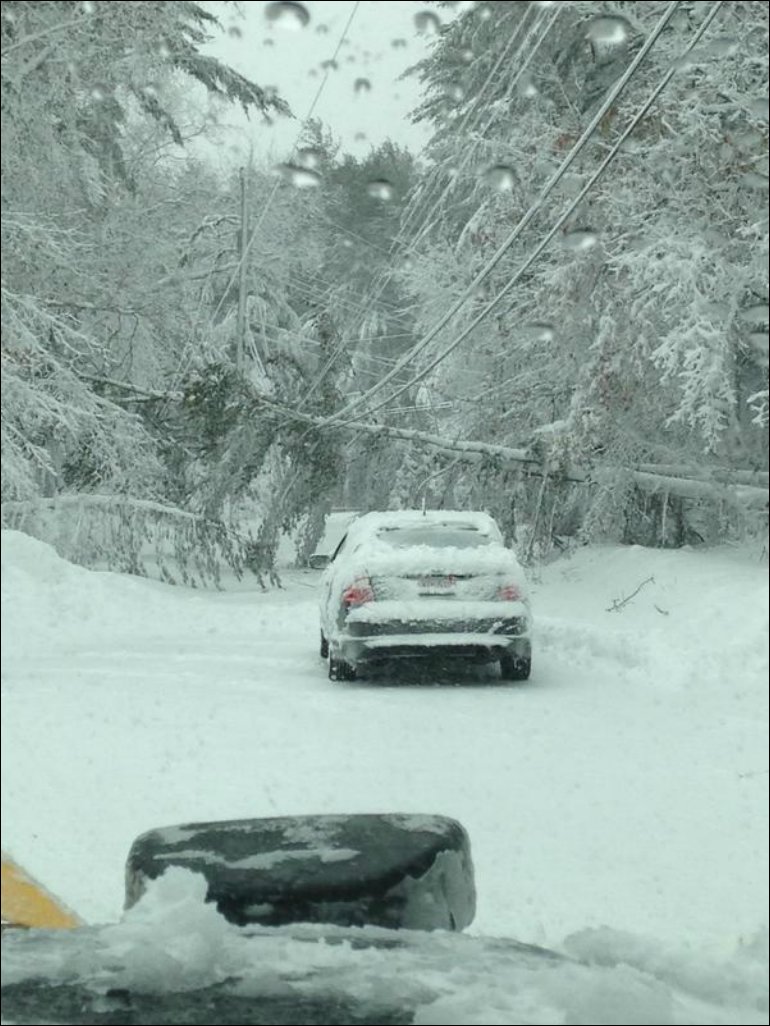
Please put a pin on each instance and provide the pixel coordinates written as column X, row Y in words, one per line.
column 624, row 786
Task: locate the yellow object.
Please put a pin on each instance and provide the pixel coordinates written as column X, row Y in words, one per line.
column 26, row 903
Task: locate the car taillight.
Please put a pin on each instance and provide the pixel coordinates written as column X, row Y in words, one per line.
column 510, row 593
column 358, row 593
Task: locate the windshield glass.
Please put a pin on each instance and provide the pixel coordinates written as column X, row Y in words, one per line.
column 435, row 536
column 385, row 430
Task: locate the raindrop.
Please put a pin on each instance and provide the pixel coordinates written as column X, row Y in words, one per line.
column 150, row 91
column 527, row 87
column 330, row 65
column 545, row 3
column 362, row 85
column 760, row 107
column 351, row 59
column 88, row 7
column 287, row 15
column 100, row 92
column 381, row 189
column 542, row 332
column 398, row 44
column 313, row 73
column 580, row 239
column 235, row 32
column 359, row 136
column 300, row 177
column 164, row 50
column 427, row 22
column 500, row 177
column 309, row 157
column 322, row 30
column 608, row 30
column 759, row 314
column 485, row 13
column 347, row 243
column 454, row 92
column 467, row 55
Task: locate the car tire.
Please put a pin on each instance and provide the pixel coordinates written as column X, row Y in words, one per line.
column 324, row 649
column 513, row 667
column 340, row 670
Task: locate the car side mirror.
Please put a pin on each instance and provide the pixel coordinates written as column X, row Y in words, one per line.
column 399, row 871
column 318, row 561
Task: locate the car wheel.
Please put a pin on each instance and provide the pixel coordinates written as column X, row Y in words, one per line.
column 340, row 670
column 514, row 667
column 324, row 649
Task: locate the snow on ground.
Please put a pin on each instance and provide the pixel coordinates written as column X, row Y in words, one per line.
column 616, row 803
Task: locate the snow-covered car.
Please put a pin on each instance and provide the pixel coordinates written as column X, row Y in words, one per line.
column 437, row 582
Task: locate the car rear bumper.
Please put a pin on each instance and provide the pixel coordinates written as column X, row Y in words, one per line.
column 481, row 646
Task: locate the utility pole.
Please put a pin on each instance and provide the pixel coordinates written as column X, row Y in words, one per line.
column 243, row 243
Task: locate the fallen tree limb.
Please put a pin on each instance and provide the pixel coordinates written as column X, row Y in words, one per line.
column 619, row 603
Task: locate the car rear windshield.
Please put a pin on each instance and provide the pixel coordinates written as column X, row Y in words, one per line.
column 437, row 537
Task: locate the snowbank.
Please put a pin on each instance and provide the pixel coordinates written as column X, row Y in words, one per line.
column 172, row 942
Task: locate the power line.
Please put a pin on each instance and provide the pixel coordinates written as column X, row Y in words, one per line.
column 399, row 241
column 525, row 220
column 572, row 206
column 385, row 278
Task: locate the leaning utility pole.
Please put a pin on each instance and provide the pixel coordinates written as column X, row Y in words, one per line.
column 243, row 244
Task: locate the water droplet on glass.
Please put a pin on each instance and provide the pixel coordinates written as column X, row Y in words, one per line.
column 466, row 55
column 268, row 42
column 527, row 87
column 362, row 85
column 309, row 157
column 608, row 30
column 300, row 177
column 330, row 65
column 398, row 44
column 313, row 73
column 454, row 92
column 759, row 314
column 542, row 332
column 235, row 32
column 100, row 92
column 322, row 30
column 545, row 3
column 580, row 239
column 351, row 59
column 381, row 189
column 164, row 50
column 359, row 136
column 427, row 22
column 760, row 107
column 500, row 177
column 88, row 7
column 485, row 13
column 347, row 243
column 287, row 15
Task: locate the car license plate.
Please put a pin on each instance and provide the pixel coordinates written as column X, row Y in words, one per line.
column 436, row 585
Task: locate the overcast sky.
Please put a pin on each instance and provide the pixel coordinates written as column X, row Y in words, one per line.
column 382, row 42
